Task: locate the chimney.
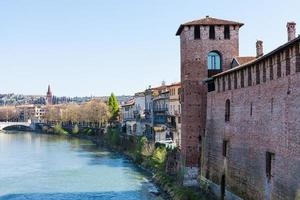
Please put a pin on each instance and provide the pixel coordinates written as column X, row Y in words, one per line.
column 291, row 29
column 259, row 48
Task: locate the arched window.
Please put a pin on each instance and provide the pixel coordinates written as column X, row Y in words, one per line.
column 227, row 110
column 214, row 61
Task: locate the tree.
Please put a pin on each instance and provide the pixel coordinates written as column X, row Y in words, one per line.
column 113, row 106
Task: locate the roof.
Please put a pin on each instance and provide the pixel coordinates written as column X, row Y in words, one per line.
column 208, row 21
column 260, row 58
column 139, row 94
column 129, row 103
column 244, row 59
column 174, row 84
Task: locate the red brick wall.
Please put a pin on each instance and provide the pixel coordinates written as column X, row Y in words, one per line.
column 194, row 93
column 274, row 126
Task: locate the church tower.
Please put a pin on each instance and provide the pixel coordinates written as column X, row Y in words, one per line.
column 207, row 47
column 49, row 96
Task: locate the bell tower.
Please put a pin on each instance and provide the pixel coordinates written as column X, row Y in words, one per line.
column 207, row 47
column 49, row 96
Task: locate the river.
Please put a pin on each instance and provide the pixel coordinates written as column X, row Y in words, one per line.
column 48, row 167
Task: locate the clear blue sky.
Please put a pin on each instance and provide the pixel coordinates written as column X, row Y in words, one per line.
column 84, row 47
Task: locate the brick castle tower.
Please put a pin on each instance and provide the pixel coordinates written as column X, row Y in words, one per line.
column 207, row 47
column 49, row 96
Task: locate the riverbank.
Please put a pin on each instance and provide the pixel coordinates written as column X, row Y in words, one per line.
column 157, row 160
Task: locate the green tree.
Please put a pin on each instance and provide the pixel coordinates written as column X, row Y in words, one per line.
column 113, row 106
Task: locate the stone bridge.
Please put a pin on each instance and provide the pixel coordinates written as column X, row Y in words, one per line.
column 8, row 124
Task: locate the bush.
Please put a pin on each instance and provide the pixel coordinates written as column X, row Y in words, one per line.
column 113, row 137
column 158, row 158
column 59, row 130
column 88, row 131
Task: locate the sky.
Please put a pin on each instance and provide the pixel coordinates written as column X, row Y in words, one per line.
column 95, row 47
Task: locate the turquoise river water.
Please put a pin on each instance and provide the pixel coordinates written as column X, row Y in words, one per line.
column 47, row 167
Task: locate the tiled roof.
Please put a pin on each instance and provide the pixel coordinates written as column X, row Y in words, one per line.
column 244, row 59
column 129, row 103
column 175, row 84
column 208, row 21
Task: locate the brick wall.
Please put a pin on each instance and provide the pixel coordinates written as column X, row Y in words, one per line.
column 264, row 117
column 194, row 93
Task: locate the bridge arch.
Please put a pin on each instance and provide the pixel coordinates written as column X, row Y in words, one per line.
column 6, row 125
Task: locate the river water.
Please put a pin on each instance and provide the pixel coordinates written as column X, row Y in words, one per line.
column 47, row 167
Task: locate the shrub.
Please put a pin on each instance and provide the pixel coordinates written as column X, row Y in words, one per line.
column 158, row 158
column 59, row 130
column 113, row 137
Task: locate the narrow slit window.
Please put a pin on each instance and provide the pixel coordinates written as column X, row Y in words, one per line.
column 264, row 72
column 249, row 77
column 212, row 33
column 227, row 32
column 235, row 80
column 269, row 161
column 227, row 110
column 272, row 105
column 229, row 82
column 242, row 78
column 223, row 83
column 225, row 148
column 278, row 67
column 197, row 32
column 288, row 62
column 257, row 75
column 297, row 58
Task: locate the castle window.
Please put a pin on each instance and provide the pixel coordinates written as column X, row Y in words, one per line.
column 212, row 34
column 271, row 69
column 251, row 109
column 235, row 80
column 278, row 67
column 249, row 77
column 197, row 32
column 288, row 62
column 223, row 83
column 264, row 72
column 227, row 32
column 225, row 146
column 269, row 160
column 242, row 78
column 214, row 61
column 227, row 110
column 257, row 75
column 297, row 58
column 272, row 105
column 229, row 82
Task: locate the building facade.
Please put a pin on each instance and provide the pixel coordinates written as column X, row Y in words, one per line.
column 174, row 119
column 154, row 113
column 33, row 113
column 249, row 141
